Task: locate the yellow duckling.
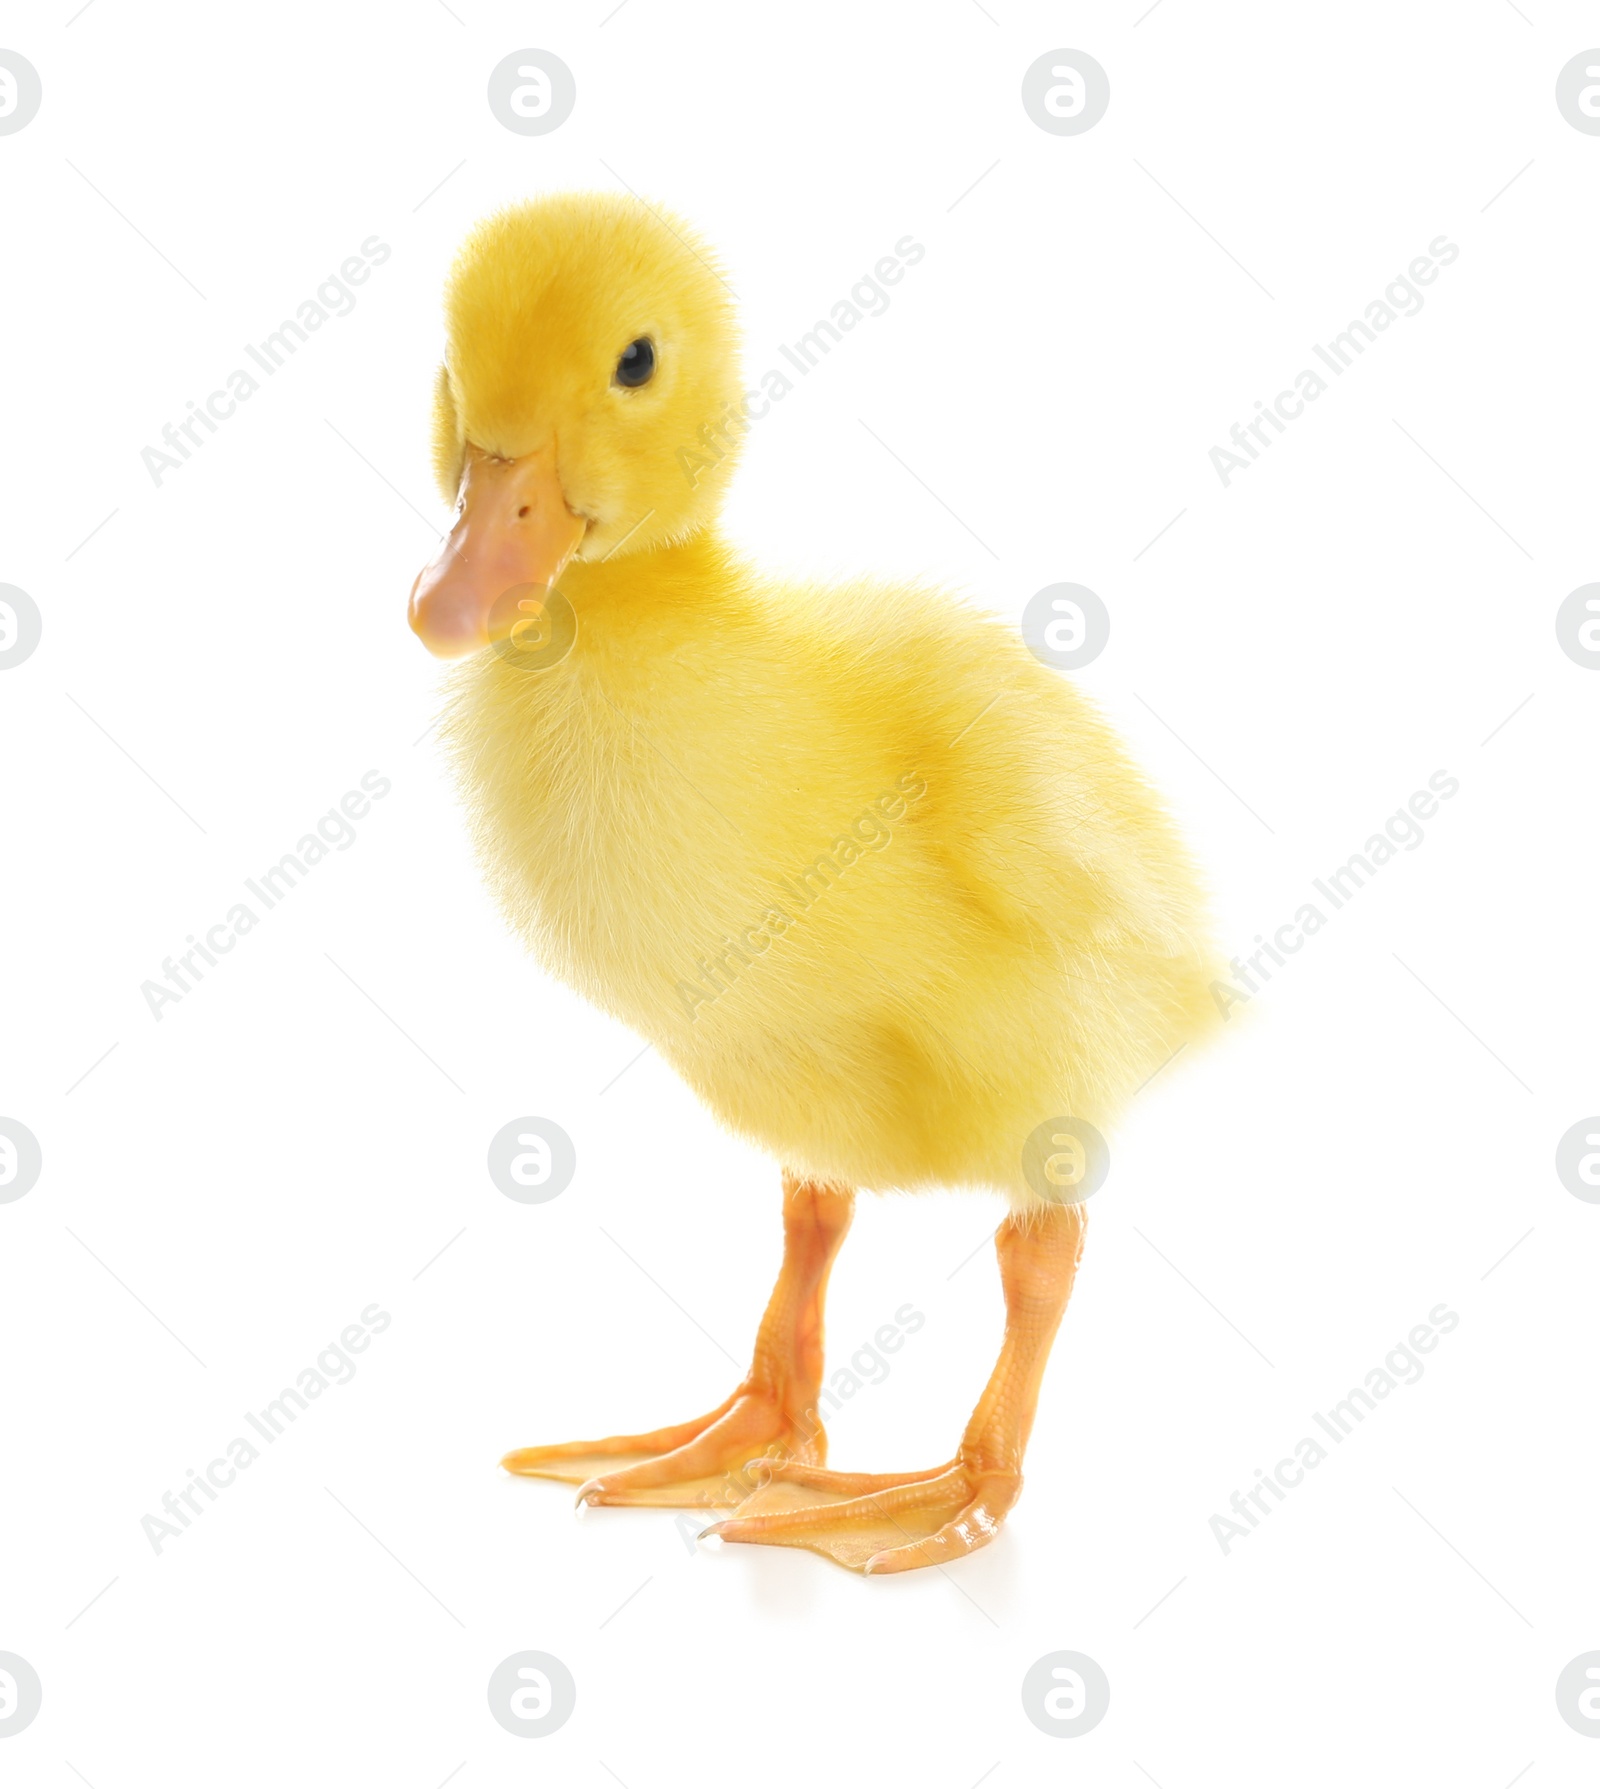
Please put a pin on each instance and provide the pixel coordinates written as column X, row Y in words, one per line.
column 884, row 891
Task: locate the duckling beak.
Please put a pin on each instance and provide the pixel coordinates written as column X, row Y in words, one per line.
column 513, row 529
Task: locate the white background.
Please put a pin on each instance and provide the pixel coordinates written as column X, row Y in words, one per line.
column 1291, row 659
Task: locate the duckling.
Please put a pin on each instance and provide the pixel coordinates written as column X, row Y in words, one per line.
column 881, row 887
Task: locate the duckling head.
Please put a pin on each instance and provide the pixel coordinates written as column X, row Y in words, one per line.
column 589, row 345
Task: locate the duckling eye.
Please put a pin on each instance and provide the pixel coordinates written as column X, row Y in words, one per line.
column 638, row 362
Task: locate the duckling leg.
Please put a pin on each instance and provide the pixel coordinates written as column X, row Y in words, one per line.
column 895, row 1522
column 772, row 1413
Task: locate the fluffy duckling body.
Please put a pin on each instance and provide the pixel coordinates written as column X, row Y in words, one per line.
column 875, row 882
column 881, row 888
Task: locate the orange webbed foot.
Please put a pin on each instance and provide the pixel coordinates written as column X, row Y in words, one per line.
column 875, row 1523
column 694, row 1465
column 771, row 1415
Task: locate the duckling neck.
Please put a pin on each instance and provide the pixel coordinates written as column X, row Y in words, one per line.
column 670, row 585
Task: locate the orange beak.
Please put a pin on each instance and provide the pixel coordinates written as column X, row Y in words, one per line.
column 513, row 530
